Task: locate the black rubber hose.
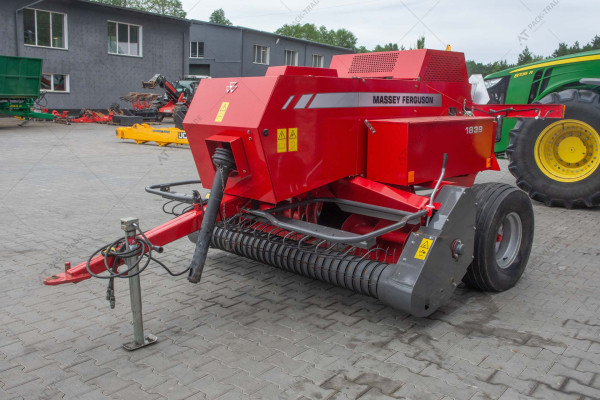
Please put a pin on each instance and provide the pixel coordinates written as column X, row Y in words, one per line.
column 347, row 271
column 225, row 163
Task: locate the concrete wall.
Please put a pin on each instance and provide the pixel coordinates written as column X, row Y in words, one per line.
column 98, row 79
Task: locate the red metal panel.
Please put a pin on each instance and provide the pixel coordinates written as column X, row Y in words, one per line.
column 245, row 100
column 422, row 65
column 389, row 64
column 305, row 71
column 410, row 151
column 328, row 142
column 237, row 148
column 370, row 192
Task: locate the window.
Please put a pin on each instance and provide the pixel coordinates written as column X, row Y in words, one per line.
column 55, row 83
column 124, row 39
column 291, row 57
column 200, row 69
column 261, row 54
column 44, row 28
column 317, row 61
column 196, row 49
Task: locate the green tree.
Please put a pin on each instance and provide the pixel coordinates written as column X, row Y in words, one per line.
column 172, row 8
column 341, row 37
column 421, row 42
column 120, row 3
column 526, row 57
column 386, row 47
column 218, row 17
column 593, row 45
column 486, row 69
column 165, row 7
column 394, row 46
column 344, row 38
column 562, row 50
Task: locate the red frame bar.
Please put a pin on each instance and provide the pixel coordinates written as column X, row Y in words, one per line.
column 159, row 236
column 542, row 111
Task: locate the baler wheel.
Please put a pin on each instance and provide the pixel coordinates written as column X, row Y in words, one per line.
column 503, row 239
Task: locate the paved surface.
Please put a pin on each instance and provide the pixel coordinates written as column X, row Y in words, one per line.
column 249, row 330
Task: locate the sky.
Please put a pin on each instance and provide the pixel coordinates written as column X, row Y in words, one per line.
column 485, row 30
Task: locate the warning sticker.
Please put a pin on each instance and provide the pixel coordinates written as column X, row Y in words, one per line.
column 282, row 140
column 293, row 139
column 222, row 111
column 423, row 249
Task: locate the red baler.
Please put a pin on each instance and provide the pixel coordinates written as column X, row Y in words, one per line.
column 360, row 175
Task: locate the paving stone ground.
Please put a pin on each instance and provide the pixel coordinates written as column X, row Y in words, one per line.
column 250, row 330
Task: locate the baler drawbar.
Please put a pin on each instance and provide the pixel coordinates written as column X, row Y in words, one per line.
column 360, row 175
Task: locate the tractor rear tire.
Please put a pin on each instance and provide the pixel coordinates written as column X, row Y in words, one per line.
column 557, row 162
column 179, row 112
column 503, row 237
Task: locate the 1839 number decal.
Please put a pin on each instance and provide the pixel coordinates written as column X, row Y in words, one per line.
column 471, row 130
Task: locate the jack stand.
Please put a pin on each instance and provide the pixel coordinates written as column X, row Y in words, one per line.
column 135, row 291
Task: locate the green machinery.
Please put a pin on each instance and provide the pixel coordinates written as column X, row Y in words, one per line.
column 20, row 79
column 556, row 162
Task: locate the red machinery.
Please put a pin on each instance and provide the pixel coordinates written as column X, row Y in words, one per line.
column 360, row 175
column 85, row 117
column 178, row 103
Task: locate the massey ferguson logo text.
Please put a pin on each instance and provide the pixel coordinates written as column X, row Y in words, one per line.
column 370, row 99
column 231, row 87
column 404, row 100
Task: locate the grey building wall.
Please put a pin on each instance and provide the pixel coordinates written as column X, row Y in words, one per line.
column 222, row 49
column 230, row 50
column 98, row 79
column 8, row 18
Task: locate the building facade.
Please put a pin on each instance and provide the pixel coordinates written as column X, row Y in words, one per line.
column 94, row 53
column 225, row 51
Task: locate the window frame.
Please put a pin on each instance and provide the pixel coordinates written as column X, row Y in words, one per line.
column 267, row 54
column 140, row 39
column 197, row 57
column 52, row 90
column 295, row 57
column 321, row 58
column 35, row 17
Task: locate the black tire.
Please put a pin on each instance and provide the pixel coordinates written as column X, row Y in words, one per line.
column 115, row 108
column 581, row 106
column 498, row 265
column 179, row 112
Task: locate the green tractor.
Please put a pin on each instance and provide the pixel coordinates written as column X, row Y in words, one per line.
column 20, row 79
column 555, row 161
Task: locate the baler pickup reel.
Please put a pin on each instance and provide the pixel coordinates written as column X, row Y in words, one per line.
column 366, row 184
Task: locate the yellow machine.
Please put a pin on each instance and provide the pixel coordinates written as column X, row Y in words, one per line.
column 143, row 133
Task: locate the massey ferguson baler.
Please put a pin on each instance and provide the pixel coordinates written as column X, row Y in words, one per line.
column 360, row 175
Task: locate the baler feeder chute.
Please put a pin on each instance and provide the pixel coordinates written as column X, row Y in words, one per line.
column 340, row 179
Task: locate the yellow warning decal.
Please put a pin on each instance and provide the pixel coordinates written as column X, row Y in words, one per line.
column 293, row 139
column 423, row 249
column 282, row 140
column 222, row 111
